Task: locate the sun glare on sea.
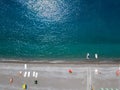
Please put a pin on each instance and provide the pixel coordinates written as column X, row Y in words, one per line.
column 48, row 10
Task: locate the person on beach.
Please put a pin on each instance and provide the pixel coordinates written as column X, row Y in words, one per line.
column 88, row 56
column 11, row 80
column 96, row 56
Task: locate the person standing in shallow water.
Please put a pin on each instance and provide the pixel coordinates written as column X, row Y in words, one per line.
column 96, row 56
column 88, row 56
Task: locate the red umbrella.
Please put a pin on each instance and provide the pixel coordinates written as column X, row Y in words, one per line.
column 118, row 72
column 70, row 71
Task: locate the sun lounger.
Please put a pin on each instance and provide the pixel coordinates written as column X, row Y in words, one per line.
column 36, row 75
column 25, row 74
column 28, row 74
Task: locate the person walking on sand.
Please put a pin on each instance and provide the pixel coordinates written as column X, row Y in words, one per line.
column 11, row 80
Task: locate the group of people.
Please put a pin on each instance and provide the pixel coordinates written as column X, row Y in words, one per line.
column 88, row 56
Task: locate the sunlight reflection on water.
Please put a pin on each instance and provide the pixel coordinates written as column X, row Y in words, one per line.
column 48, row 10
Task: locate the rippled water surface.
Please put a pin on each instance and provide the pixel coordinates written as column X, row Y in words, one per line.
column 59, row 28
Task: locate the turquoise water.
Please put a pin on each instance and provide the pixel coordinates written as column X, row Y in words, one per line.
column 59, row 28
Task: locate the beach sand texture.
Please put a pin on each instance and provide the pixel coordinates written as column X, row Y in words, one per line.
column 57, row 76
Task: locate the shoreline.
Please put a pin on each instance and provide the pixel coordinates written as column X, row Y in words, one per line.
column 81, row 61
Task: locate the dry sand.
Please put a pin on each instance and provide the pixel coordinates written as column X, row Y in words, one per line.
column 55, row 75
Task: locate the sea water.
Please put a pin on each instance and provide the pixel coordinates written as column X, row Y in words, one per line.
column 59, row 28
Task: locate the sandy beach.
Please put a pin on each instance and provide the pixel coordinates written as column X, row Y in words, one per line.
column 56, row 75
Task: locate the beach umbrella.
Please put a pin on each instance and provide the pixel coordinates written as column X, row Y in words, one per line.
column 24, row 86
column 70, row 71
column 118, row 72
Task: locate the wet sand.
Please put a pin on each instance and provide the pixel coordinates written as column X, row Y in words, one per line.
column 55, row 75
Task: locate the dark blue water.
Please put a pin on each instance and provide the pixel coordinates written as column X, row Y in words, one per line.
column 59, row 28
